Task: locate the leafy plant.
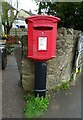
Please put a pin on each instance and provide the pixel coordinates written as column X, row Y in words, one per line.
column 35, row 106
column 63, row 86
column 10, row 47
column 71, row 78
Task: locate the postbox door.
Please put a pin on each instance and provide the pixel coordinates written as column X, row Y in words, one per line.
column 42, row 41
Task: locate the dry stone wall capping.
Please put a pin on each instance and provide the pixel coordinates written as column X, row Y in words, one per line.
column 58, row 69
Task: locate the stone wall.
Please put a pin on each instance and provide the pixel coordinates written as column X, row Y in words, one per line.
column 58, row 69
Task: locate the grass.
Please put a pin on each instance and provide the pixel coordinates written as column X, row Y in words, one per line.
column 63, row 86
column 35, row 107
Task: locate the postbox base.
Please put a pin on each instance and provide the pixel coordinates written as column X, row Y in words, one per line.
column 40, row 79
column 40, row 94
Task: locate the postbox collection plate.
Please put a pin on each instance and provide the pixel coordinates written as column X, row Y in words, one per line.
column 42, row 43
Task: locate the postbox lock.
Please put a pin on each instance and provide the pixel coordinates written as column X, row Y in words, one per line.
column 42, row 33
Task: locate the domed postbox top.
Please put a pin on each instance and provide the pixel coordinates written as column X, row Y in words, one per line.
column 42, row 17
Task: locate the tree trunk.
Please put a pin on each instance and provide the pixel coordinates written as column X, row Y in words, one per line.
column 9, row 26
column 8, row 30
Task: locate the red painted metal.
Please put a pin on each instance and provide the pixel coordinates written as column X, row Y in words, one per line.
column 42, row 30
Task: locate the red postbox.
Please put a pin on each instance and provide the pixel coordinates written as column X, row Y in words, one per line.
column 42, row 30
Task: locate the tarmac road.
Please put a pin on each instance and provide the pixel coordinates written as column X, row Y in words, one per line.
column 12, row 95
column 68, row 103
column 0, row 85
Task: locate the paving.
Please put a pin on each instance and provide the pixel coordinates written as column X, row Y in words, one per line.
column 63, row 104
column 12, row 95
column 66, row 104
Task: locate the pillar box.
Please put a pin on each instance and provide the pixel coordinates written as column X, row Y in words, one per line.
column 42, row 30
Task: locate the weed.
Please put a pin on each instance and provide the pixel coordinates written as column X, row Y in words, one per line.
column 63, row 86
column 71, row 78
column 35, row 107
